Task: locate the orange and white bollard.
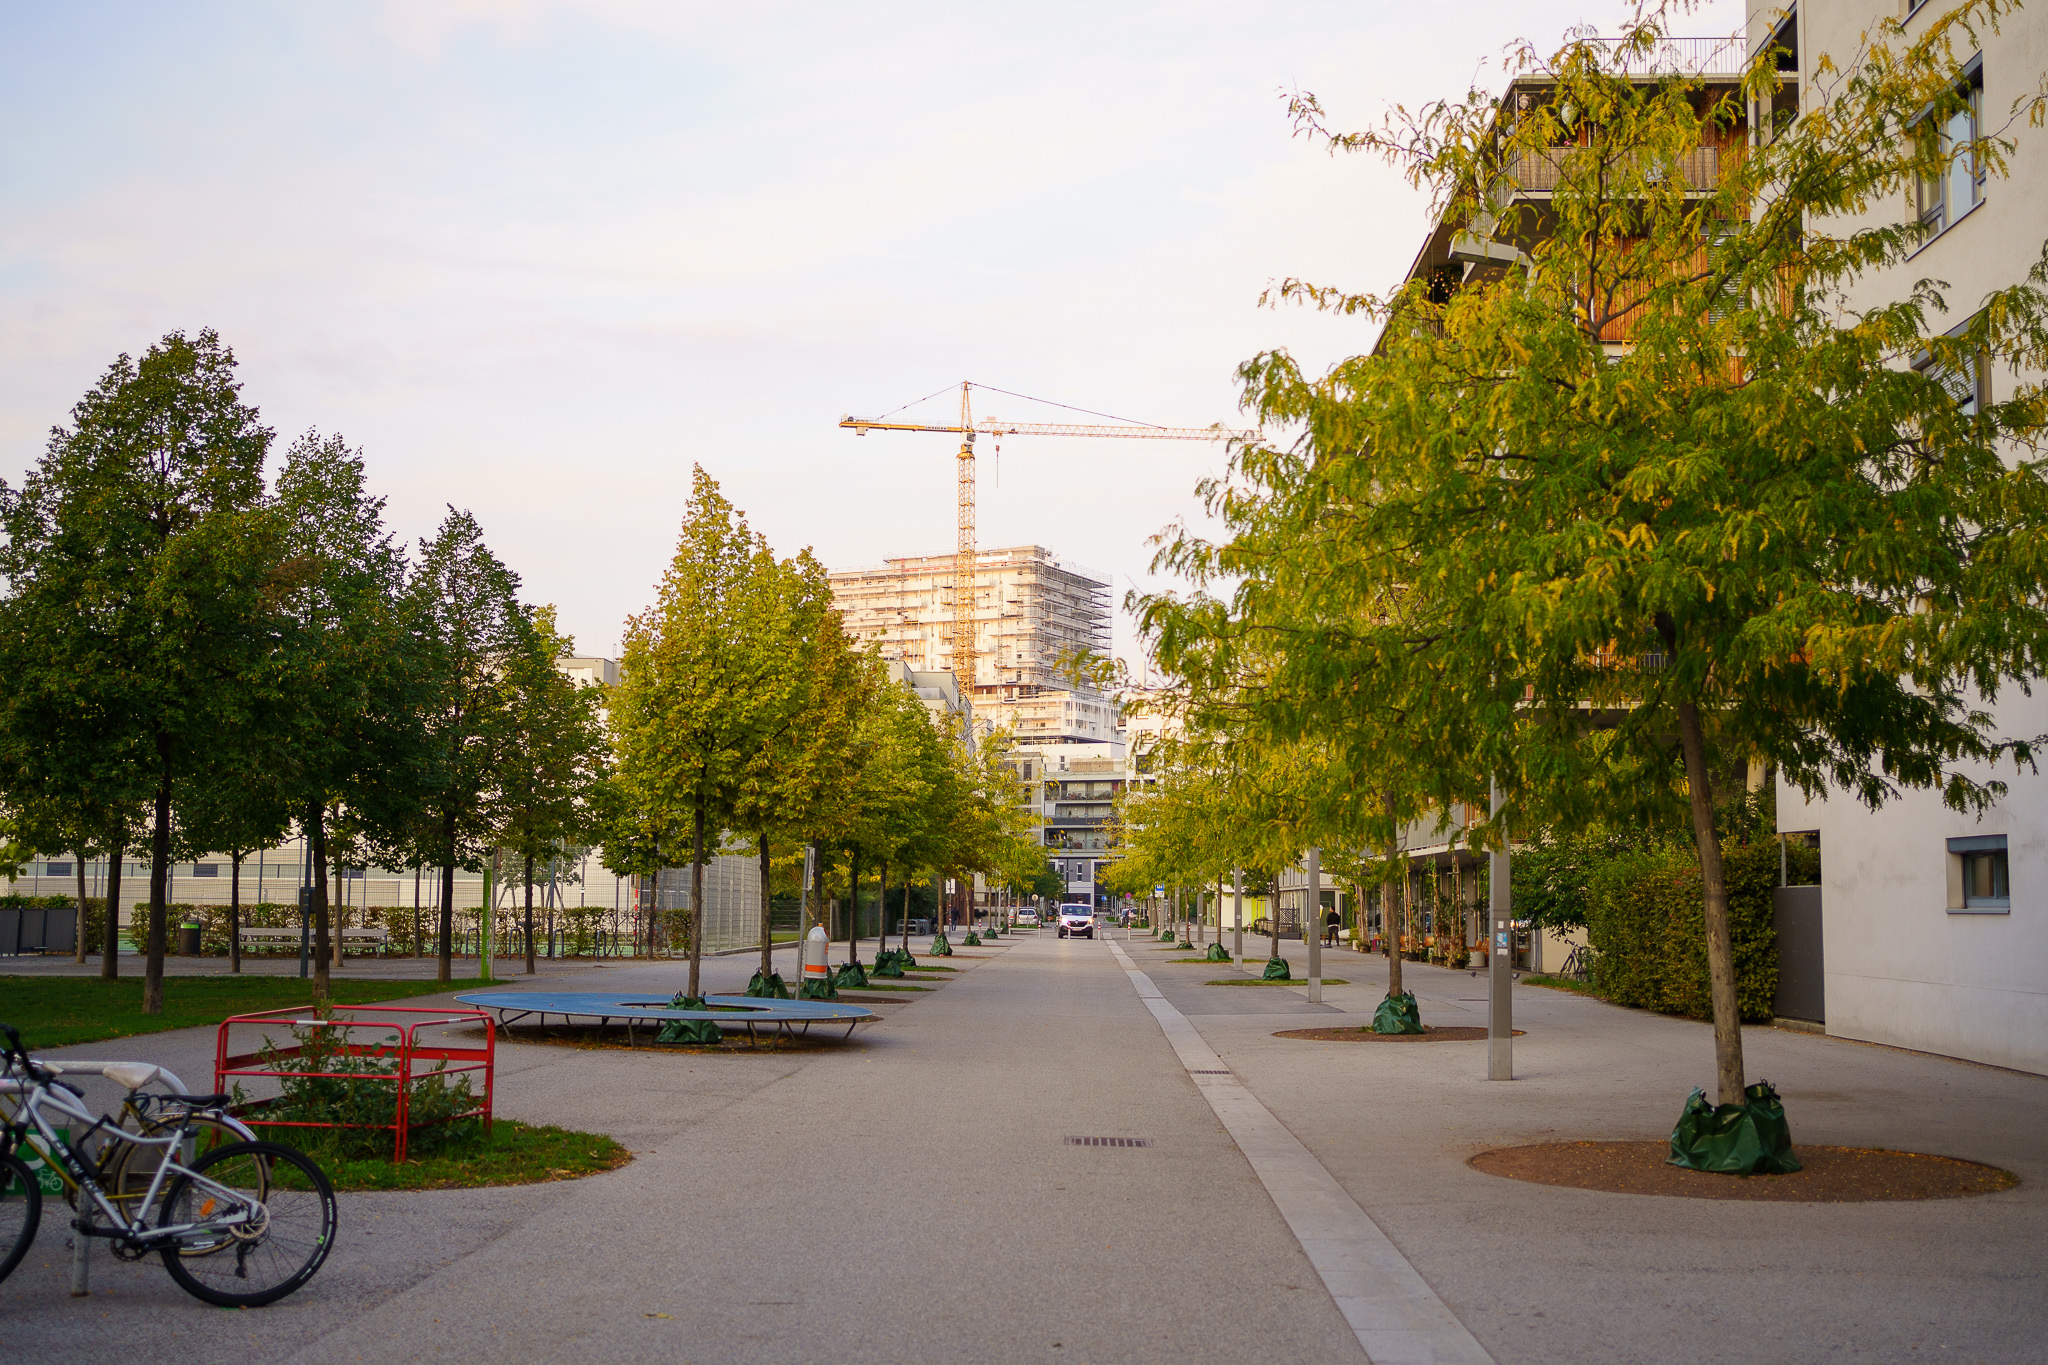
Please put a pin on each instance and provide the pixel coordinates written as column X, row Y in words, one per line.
column 816, row 947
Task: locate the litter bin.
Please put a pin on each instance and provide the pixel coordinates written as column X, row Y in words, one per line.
column 188, row 939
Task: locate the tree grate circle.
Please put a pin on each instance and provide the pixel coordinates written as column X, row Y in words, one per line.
column 1108, row 1142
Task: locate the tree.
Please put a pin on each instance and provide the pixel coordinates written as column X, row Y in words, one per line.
column 801, row 712
column 348, row 683
column 554, row 753
column 139, row 568
column 1631, row 501
column 465, row 622
column 688, row 682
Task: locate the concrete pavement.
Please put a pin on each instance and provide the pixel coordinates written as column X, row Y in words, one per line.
column 913, row 1196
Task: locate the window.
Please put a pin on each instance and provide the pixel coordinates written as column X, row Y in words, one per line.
column 57, row 869
column 1958, row 185
column 206, row 869
column 1979, row 878
column 1966, row 386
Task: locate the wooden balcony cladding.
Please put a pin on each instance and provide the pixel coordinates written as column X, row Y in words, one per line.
column 1540, row 172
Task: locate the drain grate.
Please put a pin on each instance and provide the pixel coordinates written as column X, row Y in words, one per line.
column 1208, row 1073
column 1108, row 1142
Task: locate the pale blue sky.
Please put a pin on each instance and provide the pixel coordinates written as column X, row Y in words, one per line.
column 538, row 258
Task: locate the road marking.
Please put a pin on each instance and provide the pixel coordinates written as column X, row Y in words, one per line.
column 1397, row 1317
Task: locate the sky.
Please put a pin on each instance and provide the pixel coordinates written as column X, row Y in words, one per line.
column 538, row 258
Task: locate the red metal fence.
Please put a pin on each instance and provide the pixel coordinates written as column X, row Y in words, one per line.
column 357, row 1045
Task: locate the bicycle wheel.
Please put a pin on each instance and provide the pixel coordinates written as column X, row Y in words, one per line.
column 21, row 1208
column 260, row 1259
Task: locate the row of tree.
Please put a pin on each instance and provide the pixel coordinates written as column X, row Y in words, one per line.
column 1667, row 494
column 745, row 716
column 199, row 660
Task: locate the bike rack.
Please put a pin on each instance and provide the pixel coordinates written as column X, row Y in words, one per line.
column 400, row 1040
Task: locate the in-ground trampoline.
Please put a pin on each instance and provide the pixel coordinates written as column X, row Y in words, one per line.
column 633, row 1009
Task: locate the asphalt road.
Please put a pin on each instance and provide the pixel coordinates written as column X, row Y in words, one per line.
column 913, row 1196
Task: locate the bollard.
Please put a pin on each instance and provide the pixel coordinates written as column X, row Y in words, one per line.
column 816, row 949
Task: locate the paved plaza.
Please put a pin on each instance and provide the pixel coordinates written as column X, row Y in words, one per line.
column 913, row 1196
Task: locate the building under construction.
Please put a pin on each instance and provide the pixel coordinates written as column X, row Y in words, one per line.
column 1031, row 612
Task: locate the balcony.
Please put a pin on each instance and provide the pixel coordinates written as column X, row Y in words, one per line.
column 1539, row 173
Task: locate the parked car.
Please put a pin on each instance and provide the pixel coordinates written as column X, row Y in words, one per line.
column 1077, row 921
column 1027, row 919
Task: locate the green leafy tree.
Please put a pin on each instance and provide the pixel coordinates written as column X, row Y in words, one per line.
column 1650, row 491
column 554, row 754
column 348, row 683
column 465, row 623
column 684, row 710
column 140, row 567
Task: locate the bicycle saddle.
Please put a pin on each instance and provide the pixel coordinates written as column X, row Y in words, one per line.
column 194, row 1101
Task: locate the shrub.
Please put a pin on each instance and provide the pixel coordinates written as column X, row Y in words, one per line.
column 1646, row 919
column 362, row 1101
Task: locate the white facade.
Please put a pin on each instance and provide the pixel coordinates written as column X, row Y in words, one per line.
column 1906, row 962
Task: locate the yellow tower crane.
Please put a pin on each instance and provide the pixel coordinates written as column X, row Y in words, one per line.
column 967, row 430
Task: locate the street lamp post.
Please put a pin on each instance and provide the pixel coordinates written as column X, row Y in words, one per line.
column 1500, row 1018
column 1312, row 926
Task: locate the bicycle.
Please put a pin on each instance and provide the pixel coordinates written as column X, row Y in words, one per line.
column 238, row 1226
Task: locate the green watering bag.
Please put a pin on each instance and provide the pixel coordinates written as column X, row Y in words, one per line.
column 1751, row 1138
column 1397, row 1014
column 773, row 987
column 852, row 974
column 1218, row 953
column 1276, row 969
column 818, row 990
column 690, row 1031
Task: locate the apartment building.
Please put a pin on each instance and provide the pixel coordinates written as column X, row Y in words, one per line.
column 1032, row 611
column 1933, row 925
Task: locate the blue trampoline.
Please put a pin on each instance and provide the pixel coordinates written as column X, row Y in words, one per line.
column 635, row 1008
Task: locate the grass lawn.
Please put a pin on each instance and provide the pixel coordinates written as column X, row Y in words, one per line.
column 1298, row 981
column 57, row 1011
column 514, row 1154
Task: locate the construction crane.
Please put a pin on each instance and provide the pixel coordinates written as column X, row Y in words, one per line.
column 967, row 430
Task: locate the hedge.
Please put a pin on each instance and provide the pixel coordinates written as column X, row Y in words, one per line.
column 1646, row 920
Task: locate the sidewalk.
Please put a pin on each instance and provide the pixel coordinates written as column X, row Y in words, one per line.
column 1550, row 1274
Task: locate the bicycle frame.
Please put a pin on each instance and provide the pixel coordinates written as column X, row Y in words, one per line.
column 135, row 1106
column 36, row 1095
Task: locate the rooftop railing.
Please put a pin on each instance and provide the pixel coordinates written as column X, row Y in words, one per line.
column 1684, row 57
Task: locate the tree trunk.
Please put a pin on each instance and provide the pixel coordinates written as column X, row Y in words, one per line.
column 416, row 944
column 447, row 933
column 529, row 914
column 316, row 830
column 1390, row 924
column 767, row 912
column 853, row 903
column 338, row 904
column 696, row 920
column 78, row 934
column 235, row 912
column 882, row 911
column 159, row 893
column 906, row 915
column 1720, row 940
column 110, row 959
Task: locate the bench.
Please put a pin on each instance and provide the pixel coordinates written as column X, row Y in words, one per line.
column 376, row 939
